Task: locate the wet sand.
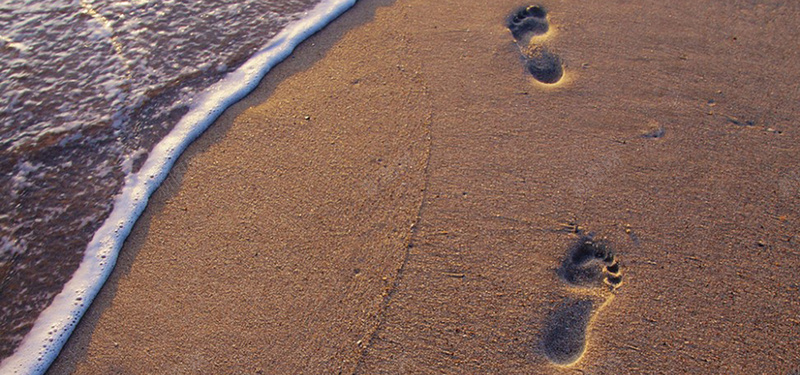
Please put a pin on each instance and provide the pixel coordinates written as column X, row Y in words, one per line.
column 400, row 196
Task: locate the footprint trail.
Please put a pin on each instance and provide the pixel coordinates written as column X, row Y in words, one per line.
column 593, row 273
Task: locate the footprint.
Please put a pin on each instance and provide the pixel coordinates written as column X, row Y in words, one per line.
column 528, row 22
column 565, row 334
column 594, row 273
column 590, row 263
column 542, row 64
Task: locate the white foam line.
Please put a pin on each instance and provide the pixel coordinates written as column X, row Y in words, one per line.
column 52, row 328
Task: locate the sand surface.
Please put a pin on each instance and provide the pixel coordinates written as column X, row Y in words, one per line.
column 398, row 195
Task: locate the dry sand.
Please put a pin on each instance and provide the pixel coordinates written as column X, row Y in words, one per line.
column 414, row 221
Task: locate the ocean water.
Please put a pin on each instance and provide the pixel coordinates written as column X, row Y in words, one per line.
column 97, row 100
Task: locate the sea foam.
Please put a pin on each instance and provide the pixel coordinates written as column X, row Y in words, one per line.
column 54, row 325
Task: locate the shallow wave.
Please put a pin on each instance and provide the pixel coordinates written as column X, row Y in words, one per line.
column 111, row 142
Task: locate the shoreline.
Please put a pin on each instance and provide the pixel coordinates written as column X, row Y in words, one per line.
column 78, row 342
column 398, row 194
column 54, row 325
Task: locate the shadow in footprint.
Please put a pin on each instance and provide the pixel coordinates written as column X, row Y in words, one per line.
column 528, row 21
column 564, row 339
column 590, row 262
column 545, row 66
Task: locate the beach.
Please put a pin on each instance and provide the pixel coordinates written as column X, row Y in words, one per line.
column 400, row 195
